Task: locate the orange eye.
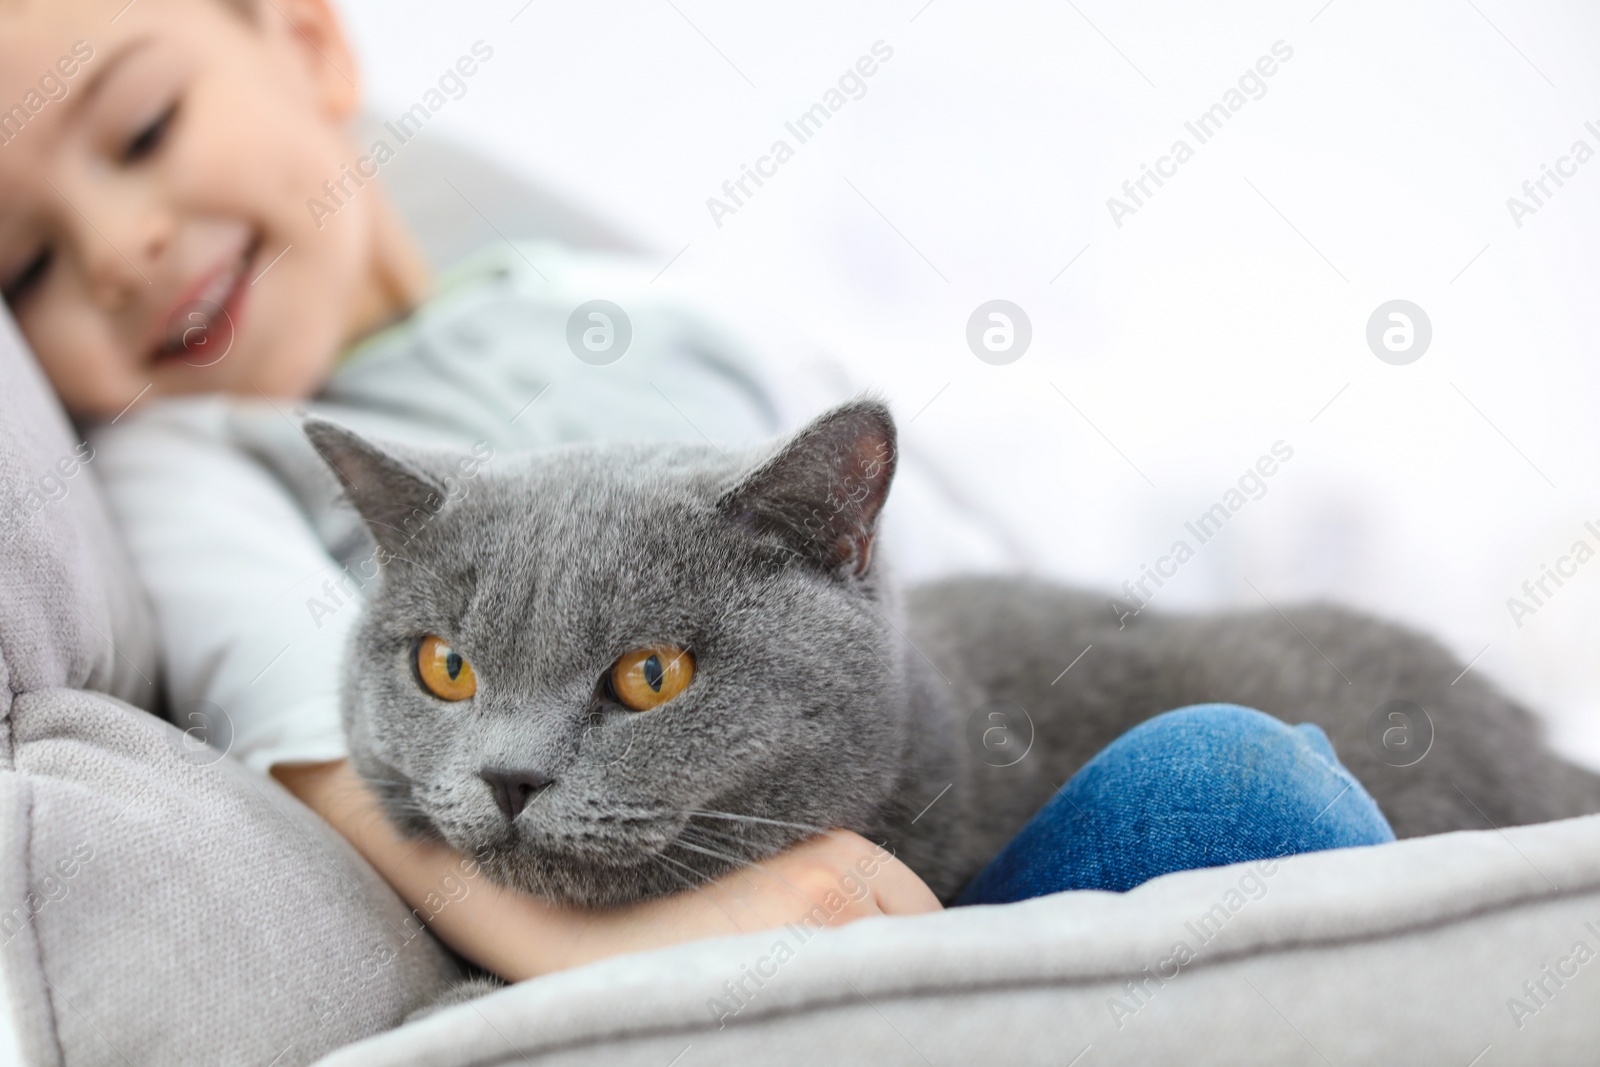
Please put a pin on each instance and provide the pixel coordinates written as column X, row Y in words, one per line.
column 443, row 672
column 649, row 677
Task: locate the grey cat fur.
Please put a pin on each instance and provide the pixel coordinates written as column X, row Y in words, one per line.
column 824, row 696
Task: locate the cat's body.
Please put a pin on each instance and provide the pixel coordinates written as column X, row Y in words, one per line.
column 1009, row 640
column 822, row 696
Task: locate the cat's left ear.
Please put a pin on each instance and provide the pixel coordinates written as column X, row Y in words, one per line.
column 822, row 491
column 390, row 492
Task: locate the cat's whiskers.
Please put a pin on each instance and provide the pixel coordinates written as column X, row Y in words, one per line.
column 710, row 838
column 694, row 885
column 657, row 861
column 740, row 863
column 755, row 819
column 717, row 835
column 388, row 785
column 397, row 793
column 394, row 785
column 687, row 840
column 401, row 806
column 699, row 877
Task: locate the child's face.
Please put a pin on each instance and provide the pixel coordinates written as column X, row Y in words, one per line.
column 161, row 181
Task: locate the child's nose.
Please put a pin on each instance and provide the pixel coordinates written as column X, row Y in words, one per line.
column 123, row 245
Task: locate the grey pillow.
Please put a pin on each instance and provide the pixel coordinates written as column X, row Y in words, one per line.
column 71, row 611
column 159, row 904
column 1454, row 950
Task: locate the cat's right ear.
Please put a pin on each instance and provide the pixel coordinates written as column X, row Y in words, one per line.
column 822, row 491
column 390, row 492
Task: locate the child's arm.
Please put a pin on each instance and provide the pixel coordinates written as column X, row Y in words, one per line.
column 251, row 618
column 830, row 880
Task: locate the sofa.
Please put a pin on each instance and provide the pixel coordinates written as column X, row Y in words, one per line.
column 160, row 904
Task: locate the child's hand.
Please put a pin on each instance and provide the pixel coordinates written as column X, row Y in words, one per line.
column 829, row 880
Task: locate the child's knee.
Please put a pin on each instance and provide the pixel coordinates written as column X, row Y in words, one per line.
column 1233, row 740
column 1223, row 724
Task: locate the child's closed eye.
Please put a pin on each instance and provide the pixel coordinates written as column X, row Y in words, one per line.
column 149, row 138
column 28, row 279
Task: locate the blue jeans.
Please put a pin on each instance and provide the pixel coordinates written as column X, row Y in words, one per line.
column 1202, row 786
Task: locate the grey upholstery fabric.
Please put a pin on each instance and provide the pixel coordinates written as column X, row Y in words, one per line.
column 189, row 911
column 159, row 904
column 1406, row 953
column 71, row 611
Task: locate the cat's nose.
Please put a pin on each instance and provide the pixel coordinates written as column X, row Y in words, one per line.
column 513, row 789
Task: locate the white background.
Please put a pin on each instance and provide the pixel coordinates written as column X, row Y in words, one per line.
column 1222, row 317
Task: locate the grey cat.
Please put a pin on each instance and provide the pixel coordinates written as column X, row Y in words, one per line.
column 785, row 682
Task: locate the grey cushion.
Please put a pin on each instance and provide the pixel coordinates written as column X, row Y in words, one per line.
column 1407, row 953
column 71, row 611
column 159, row 904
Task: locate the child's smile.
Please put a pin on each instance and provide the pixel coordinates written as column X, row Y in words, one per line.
column 208, row 313
column 154, row 238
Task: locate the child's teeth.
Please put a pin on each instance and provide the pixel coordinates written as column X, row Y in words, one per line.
column 219, row 287
column 201, row 317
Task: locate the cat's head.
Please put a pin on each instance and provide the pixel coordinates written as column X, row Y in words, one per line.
column 610, row 672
